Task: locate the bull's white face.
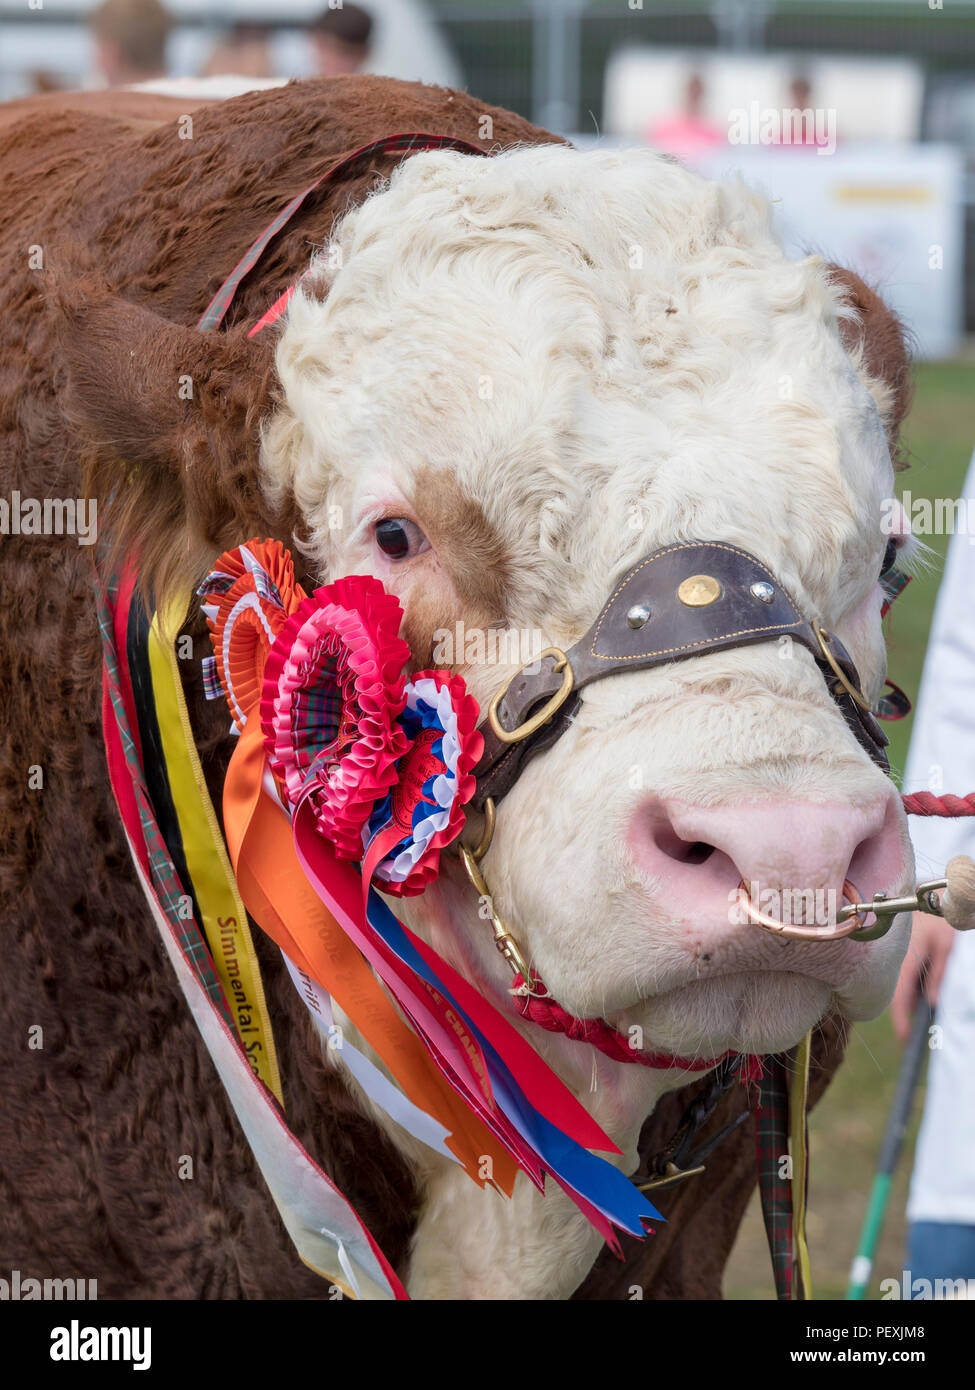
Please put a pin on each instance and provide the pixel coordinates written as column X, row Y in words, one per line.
column 546, row 365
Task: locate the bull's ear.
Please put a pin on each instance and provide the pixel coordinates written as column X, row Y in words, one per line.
column 167, row 420
column 877, row 340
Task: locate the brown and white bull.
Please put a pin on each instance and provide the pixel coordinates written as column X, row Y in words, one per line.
column 540, row 367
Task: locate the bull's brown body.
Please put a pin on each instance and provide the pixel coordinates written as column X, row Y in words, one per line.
column 94, row 1122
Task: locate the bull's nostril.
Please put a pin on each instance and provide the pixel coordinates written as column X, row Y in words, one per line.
column 698, row 852
column 681, row 851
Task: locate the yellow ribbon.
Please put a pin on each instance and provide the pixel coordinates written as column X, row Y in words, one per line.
column 224, row 916
column 798, row 1100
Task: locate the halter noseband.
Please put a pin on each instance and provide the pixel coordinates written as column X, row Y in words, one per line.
column 676, row 603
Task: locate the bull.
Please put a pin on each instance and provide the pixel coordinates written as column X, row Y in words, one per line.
column 499, row 383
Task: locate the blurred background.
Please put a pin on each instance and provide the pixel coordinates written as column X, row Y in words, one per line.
column 880, row 178
column 890, row 84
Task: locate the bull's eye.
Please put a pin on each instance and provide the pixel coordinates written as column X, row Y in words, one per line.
column 399, row 538
column 890, row 555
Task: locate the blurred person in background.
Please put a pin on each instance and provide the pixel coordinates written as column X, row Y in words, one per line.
column 130, row 40
column 242, row 52
column 40, row 80
column 941, row 961
column 342, row 40
column 807, row 129
column 687, row 133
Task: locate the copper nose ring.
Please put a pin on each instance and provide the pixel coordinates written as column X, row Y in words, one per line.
column 848, row 921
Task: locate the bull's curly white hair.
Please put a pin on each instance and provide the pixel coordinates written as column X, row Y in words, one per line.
column 552, row 325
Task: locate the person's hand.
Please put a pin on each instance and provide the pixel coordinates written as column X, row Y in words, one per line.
column 923, row 968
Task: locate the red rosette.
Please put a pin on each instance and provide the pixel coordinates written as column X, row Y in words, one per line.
column 438, row 711
column 248, row 597
column 332, row 694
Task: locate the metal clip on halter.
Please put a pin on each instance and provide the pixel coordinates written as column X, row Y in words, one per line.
column 851, row 919
column 503, row 939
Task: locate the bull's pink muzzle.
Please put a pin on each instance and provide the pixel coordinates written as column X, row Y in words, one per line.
column 795, row 858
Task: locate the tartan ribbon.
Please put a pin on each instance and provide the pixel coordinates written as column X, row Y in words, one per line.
column 771, row 1147
column 893, row 582
column 406, row 142
column 776, row 1117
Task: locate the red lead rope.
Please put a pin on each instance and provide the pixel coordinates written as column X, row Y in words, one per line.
column 927, row 804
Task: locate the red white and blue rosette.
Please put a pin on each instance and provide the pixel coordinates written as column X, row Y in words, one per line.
column 435, row 781
column 385, row 764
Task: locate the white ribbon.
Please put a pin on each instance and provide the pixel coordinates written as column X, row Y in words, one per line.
column 377, row 1086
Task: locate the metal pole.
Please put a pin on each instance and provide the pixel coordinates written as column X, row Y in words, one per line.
column 556, row 63
column 890, row 1151
column 740, row 24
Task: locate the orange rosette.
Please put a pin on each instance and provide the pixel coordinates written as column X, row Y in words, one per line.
column 248, row 597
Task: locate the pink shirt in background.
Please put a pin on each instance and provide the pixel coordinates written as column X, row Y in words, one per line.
column 685, row 136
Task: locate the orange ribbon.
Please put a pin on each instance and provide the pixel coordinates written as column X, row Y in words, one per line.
column 282, row 901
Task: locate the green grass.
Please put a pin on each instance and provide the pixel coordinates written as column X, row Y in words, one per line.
column 940, row 436
column 847, row 1126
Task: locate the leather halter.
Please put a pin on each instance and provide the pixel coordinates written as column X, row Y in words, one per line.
column 680, row 601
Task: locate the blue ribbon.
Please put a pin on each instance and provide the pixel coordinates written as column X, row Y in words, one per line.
column 594, row 1178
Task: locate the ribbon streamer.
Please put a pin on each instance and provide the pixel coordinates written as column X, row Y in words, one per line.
column 309, row 1203
column 374, row 1083
column 371, row 769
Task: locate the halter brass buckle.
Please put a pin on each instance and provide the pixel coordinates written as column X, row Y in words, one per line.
column 824, row 638
column 548, row 709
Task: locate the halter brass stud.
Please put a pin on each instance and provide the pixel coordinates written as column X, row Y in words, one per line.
column 698, row 590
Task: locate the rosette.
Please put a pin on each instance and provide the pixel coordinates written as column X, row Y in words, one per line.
column 332, row 695
column 434, row 782
column 249, row 594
